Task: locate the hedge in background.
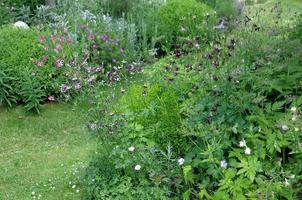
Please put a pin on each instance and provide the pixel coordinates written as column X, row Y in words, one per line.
column 180, row 18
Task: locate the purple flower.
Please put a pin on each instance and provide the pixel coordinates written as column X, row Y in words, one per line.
column 59, row 63
column 105, row 38
column 40, row 63
column 58, row 48
column 78, row 86
column 51, row 98
column 42, row 39
column 91, row 36
column 64, row 88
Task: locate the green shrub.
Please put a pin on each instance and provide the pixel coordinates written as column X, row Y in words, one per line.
column 297, row 31
column 237, row 103
column 225, row 8
column 18, row 49
column 11, row 11
column 28, row 75
column 118, row 8
column 19, row 3
column 178, row 19
column 6, row 14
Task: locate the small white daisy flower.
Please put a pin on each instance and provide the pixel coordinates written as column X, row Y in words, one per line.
column 181, row 161
column 131, row 148
column 33, row 193
column 286, row 183
column 77, row 190
column 74, row 186
column 242, row 143
column 223, row 164
column 284, row 128
column 247, row 151
column 293, row 109
column 137, row 167
column 296, row 129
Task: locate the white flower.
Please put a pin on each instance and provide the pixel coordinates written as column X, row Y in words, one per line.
column 74, row 186
column 223, row 164
column 131, row 148
column 296, row 129
column 181, row 161
column 77, row 190
column 284, row 128
column 247, row 151
column 242, row 143
column 33, row 193
column 137, row 167
column 286, row 183
column 293, row 109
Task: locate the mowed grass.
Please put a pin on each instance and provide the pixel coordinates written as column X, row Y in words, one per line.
column 42, row 156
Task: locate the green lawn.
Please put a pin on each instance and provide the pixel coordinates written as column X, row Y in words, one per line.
column 42, row 155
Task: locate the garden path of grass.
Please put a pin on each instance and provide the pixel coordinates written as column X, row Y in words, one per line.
column 42, row 154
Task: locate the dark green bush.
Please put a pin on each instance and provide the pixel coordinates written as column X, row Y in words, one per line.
column 14, row 10
column 6, row 14
column 17, row 51
column 18, row 3
column 180, row 19
column 225, row 8
column 118, row 8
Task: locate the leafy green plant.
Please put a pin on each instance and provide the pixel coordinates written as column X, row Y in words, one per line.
column 18, row 47
column 33, row 95
column 236, row 109
column 225, row 8
column 178, row 19
column 6, row 91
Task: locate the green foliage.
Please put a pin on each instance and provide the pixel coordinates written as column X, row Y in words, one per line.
column 120, row 178
column 6, row 91
column 180, row 19
column 6, row 14
column 13, row 10
column 18, row 48
column 118, row 8
column 153, row 107
column 235, row 115
column 226, row 8
column 19, row 3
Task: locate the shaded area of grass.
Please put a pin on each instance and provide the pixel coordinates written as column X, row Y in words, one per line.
column 43, row 155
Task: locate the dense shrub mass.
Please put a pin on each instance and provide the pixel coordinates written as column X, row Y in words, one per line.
column 18, row 48
column 182, row 19
column 236, row 114
column 226, row 8
column 13, row 10
column 219, row 117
